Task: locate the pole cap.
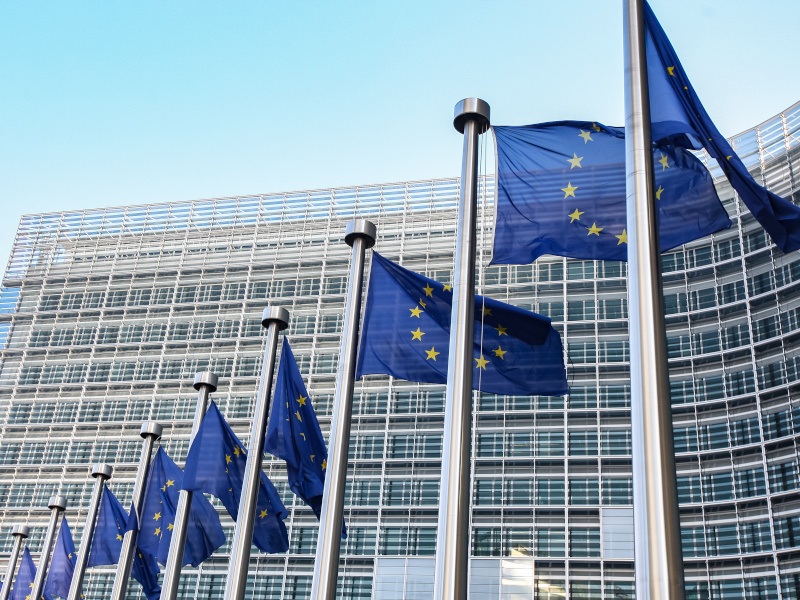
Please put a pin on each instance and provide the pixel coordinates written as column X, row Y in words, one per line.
column 360, row 228
column 151, row 428
column 22, row 531
column 103, row 470
column 57, row 502
column 205, row 379
column 275, row 314
column 471, row 109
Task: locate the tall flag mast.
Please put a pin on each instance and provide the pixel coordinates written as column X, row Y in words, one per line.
column 452, row 536
column 360, row 234
column 658, row 560
column 20, row 533
column 57, row 505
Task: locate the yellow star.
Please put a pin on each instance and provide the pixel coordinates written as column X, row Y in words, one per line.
column 501, row 330
column 487, row 312
column 664, row 162
column 422, row 304
column 228, row 460
column 622, row 237
column 170, row 482
column 500, row 353
column 170, row 527
column 297, row 414
column 416, row 311
column 575, row 216
column 595, row 230
column 447, row 287
column 236, row 451
column 324, row 464
column 417, row 335
column 303, row 435
column 311, row 456
column 428, row 290
column 587, row 137
column 671, row 71
column 263, row 514
column 432, row 353
column 163, row 488
column 157, row 516
column 569, row 190
column 596, row 127
column 69, row 556
column 119, row 537
column 575, row 161
column 302, row 400
column 481, row 363
column 659, row 191
column 157, row 531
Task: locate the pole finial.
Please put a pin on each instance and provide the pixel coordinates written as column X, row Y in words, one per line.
column 22, row 531
column 206, row 379
column 360, row 228
column 103, row 470
column 471, row 109
column 59, row 502
column 151, row 428
column 275, row 314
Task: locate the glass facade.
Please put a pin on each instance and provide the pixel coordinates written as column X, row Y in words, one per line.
column 106, row 315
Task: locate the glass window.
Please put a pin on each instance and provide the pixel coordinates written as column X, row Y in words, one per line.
column 583, row 443
column 584, row 491
column 617, row 491
column 550, row 490
column 584, row 542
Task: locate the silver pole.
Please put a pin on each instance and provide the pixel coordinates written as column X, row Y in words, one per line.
column 659, row 564
column 101, row 473
column 275, row 319
column 452, row 536
column 20, row 533
column 360, row 235
column 57, row 505
column 150, row 432
column 205, row 383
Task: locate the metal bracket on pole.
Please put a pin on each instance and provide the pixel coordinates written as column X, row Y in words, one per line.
column 150, row 432
column 360, row 234
column 205, row 382
column 20, row 533
column 452, row 536
column 101, row 473
column 57, row 505
column 275, row 319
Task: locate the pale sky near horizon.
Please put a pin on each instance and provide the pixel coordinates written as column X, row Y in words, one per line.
column 106, row 104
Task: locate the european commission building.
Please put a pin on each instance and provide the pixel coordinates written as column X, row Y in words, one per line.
column 108, row 314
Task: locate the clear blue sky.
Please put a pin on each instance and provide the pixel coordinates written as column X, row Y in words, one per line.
column 110, row 103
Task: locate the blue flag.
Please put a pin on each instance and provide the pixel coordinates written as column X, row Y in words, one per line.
column 407, row 335
column 204, row 533
column 25, row 577
column 561, row 191
column 112, row 523
column 215, row 464
column 294, row 435
column 62, row 565
column 676, row 113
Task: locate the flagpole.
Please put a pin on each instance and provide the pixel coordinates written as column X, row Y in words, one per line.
column 360, row 234
column 20, row 533
column 57, row 505
column 452, row 536
column 658, row 559
column 205, row 383
column 275, row 319
column 101, row 473
column 150, row 432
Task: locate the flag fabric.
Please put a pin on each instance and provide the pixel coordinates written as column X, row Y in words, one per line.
column 406, row 334
column 294, row 435
column 216, row 464
column 112, row 523
column 62, row 565
column 204, row 532
column 676, row 113
column 25, row 576
column 561, row 191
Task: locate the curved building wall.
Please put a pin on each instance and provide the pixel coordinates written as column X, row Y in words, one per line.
column 105, row 316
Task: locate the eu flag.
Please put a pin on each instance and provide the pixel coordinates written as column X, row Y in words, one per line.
column 215, row 464
column 112, row 523
column 676, row 112
column 406, row 334
column 25, row 577
column 561, row 191
column 294, row 435
column 204, row 533
column 62, row 565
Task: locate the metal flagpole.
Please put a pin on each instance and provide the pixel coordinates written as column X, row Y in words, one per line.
column 57, row 505
column 101, row 473
column 150, row 432
column 205, row 383
column 275, row 319
column 658, row 559
column 20, row 533
column 452, row 536
column 360, row 234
